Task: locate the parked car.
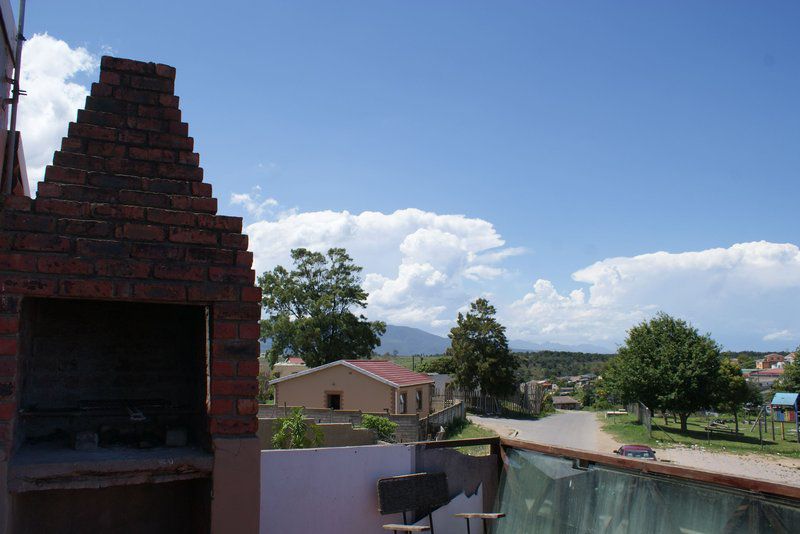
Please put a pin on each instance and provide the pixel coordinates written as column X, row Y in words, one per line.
column 640, row 452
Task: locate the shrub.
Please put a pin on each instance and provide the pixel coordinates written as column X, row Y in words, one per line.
column 383, row 427
column 292, row 432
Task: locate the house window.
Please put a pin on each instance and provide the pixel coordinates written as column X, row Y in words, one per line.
column 334, row 401
column 403, row 403
column 419, row 399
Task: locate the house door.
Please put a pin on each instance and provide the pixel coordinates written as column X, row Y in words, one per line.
column 334, row 401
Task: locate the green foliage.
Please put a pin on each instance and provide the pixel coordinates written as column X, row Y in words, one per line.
column 479, row 350
column 292, row 432
column 444, row 365
column 666, row 364
column 732, row 390
column 550, row 364
column 309, row 309
column 383, row 427
column 790, row 381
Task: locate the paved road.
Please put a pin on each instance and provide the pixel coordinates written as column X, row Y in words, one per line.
column 575, row 429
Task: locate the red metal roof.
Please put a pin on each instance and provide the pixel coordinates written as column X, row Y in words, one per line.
column 392, row 372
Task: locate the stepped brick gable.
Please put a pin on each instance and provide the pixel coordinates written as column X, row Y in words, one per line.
column 123, row 214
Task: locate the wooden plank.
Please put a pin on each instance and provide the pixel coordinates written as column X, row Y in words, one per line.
column 659, row 468
column 448, row 443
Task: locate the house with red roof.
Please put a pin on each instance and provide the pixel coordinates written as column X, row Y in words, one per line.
column 366, row 385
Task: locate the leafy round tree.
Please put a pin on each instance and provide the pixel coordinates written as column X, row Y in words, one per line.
column 732, row 390
column 479, row 350
column 790, row 381
column 666, row 364
column 310, row 309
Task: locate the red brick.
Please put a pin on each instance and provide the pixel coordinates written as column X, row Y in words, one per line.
column 169, row 292
column 209, row 292
column 43, row 242
column 241, row 387
column 152, row 154
column 192, row 235
column 123, row 289
column 251, row 294
column 247, row 368
column 156, row 252
column 100, row 247
column 91, row 131
column 71, row 144
column 130, row 166
column 224, row 330
column 100, row 101
column 189, row 158
column 179, row 172
column 200, row 189
column 235, row 349
column 85, row 227
column 179, row 272
column 141, row 198
column 101, row 90
column 8, row 367
column 237, row 241
column 159, row 185
column 143, row 123
column 9, row 304
column 205, row 204
column 48, row 190
column 247, row 406
column 8, row 346
column 143, row 232
column 9, row 325
column 16, row 202
column 170, row 101
column 244, row 258
column 158, row 112
column 249, row 331
column 17, row 262
column 86, row 288
column 152, row 84
column 85, row 194
column 180, row 202
column 60, row 207
column 78, row 161
column 165, row 71
column 136, row 96
column 14, row 220
column 27, row 286
column 126, row 65
column 220, row 222
column 116, row 211
column 7, row 411
column 170, row 217
column 233, row 426
column 123, row 268
column 240, row 311
column 223, row 368
column 178, row 128
column 99, row 118
column 64, row 175
column 231, row 275
column 132, row 138
column 221, row 407
column 106, row 150
column 61, row 265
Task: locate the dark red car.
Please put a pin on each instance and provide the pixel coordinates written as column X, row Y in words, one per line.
column 640, row 452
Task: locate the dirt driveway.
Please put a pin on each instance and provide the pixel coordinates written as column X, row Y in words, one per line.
column 583, row 430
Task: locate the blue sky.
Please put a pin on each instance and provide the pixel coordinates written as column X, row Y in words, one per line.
column 573, row 137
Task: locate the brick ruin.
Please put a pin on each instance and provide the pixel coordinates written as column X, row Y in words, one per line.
column 128, row 330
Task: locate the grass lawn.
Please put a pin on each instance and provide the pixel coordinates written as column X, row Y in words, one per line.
column 626, row 430
column 467, row 430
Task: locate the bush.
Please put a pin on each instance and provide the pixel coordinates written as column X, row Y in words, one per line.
column 455, row 427
column 292, row 432
column 383, row 427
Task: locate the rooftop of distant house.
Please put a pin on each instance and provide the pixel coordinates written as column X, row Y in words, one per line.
column 383, row 370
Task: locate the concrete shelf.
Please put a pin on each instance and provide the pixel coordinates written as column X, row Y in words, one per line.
column 49, row 467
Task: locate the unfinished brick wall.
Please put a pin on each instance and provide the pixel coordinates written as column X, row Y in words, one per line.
column 123, row 213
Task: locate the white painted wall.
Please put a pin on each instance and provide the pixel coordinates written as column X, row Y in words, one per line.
column 331, row 490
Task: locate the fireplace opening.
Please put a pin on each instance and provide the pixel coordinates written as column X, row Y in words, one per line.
column 101, row 376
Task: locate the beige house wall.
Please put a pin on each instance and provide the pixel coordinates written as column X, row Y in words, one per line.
column 358, row 391
column 411, row 392
column 286, row 369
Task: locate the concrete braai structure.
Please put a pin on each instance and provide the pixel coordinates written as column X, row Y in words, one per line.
column 128, row 330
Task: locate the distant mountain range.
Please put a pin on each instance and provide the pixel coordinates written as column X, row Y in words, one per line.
column 407, row 341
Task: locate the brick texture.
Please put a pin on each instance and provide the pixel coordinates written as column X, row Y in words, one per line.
column 123, row 213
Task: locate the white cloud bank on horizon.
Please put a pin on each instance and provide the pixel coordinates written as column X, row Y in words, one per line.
column 418, row 266
column 49, row 67
column 743, row 293
column 421, row 268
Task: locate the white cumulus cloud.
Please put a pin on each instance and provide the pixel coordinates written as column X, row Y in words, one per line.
column 417, row 264
column 253, row 203
column 733, row 292
column 49, row 69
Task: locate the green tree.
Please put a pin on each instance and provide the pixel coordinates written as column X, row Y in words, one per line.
column 310, row 309
column 444, row 365
column 666, row 364
column 383, row 427
column 790, row 381
column 479, row 350
column 292, row 432
column 732, row 390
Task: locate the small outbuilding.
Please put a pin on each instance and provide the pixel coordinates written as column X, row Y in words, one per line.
column 784, row 409
column 565, row 402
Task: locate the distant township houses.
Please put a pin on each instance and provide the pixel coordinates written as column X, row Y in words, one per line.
column 768, row 369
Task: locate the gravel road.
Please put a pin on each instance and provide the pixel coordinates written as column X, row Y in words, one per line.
column 583, row 430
